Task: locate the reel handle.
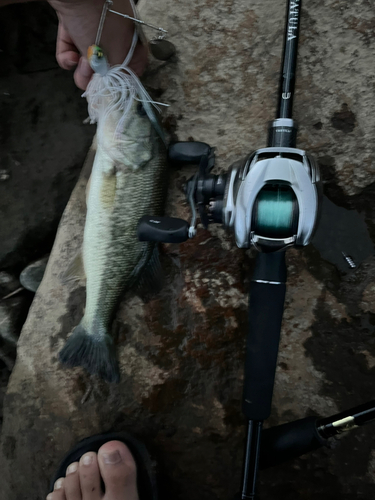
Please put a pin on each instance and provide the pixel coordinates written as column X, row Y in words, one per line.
column 186, row 152
column 162, row 229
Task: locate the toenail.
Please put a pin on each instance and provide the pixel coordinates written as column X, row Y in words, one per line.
column 58, row 484
column 112, row 458
column 72, row 468
column 87, row 460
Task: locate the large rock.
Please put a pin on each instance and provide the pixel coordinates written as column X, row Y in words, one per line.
column 181, row 353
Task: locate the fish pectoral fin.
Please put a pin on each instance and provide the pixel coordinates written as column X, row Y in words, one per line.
column 75, row 270
column 108, row 190
column 152, row 277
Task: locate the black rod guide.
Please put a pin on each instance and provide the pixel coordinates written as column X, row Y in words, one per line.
column 346, row 420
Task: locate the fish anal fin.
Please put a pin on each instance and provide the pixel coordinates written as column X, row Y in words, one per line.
column 75, row 270
column 152, row 277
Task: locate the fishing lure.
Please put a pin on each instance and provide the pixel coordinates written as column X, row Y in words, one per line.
column 114, row 88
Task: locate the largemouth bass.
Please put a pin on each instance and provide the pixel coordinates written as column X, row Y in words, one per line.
column 128, row 180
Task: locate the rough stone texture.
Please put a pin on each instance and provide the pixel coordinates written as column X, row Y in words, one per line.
column 8, row 283
column 13, row 312
column 181, row 352
column 43, row 141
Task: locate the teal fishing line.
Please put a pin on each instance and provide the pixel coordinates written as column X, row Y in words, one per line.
column 275, row 211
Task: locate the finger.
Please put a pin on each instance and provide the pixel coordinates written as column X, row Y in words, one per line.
column 83, row 73
column 66, row 52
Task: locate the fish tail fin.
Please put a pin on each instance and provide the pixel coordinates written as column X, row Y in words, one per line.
column 96, row 353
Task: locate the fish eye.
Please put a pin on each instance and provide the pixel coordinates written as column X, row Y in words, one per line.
column 141, row 110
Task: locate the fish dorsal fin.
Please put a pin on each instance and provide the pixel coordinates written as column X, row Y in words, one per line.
column 154, row 120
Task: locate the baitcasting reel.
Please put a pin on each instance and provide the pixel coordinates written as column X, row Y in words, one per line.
column 269, row 199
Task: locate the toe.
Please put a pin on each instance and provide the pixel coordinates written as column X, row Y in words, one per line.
column 71, row 483
column 118, row 470
column 58, row 490
column 89, row 477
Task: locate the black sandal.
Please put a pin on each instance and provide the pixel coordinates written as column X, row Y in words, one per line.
column 146, row 482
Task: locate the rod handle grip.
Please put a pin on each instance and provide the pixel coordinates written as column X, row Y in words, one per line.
column 266, row 307
column 288, row 441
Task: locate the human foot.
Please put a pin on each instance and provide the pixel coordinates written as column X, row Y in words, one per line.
column 113, row 463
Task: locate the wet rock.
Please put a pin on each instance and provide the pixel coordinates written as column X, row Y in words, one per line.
column 13, row 312
column 7, row 327
column 181, row 352
column 368, row 299
column 14, row 304
column 8, row 283
column 344, row 120
column 4, row 175
column 43, row 140
column 12, row 315
column 4, row 376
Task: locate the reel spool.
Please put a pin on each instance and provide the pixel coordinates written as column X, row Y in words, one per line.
column 275, row 213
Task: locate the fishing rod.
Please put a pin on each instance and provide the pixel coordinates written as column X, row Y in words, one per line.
column 293, row 439
column 270, row 201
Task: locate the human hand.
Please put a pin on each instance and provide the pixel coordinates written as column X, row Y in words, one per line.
column 78, row 25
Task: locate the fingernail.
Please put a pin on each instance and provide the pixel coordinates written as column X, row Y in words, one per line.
column 58, row 484
column 72, row 468
column 112, row 458
column 49, row 497
column 87, row 460
column 72, row 63
column 85, row 68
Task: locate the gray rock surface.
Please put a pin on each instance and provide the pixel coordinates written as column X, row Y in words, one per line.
column 181, row 352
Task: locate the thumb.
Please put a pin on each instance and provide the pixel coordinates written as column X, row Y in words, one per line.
column 83, row 73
